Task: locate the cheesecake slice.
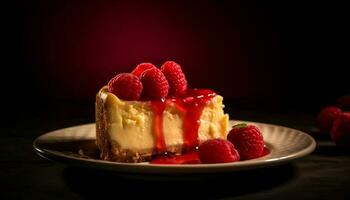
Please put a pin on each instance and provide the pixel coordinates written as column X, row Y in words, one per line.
column 136, row 131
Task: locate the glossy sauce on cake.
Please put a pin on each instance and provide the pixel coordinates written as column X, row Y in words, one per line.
column 191, row 105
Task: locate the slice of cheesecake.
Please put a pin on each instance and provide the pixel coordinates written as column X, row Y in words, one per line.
column 135, row 131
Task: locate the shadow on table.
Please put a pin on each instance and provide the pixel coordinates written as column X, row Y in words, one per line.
column 325, row 145
column 329, row 148
column 96, row 184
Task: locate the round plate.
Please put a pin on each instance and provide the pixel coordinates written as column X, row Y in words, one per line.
column 76, row 146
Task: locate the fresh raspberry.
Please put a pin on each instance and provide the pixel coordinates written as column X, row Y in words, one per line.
column 126, row 86
column 340, row 132
column 139, row 69
column 175, row 76
column 155, row 85
column 217, row 151
column 248, row 141
column 344, row 102
column 326, row 118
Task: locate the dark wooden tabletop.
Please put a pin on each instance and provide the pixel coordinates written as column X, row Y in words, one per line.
column 325, row 174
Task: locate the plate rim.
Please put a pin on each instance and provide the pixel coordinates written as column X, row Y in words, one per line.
column 161, row 168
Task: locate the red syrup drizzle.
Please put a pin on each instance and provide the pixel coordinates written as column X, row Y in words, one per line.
column 158, row 107
column 187, row 158
column 191, row 104
column 265, row 152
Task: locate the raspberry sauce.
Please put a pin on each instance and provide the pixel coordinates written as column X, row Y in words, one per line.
column 190, row 157
column 265, row 152
column 191, row 105
column 186, row 158
column 158, row 107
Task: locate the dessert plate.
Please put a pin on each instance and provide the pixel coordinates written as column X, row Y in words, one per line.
column 76, row 146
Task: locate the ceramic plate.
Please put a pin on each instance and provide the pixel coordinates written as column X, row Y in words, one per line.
column 76, row 146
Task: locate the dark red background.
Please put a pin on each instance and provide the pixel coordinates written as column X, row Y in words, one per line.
column 276, row 55
column 275, row 61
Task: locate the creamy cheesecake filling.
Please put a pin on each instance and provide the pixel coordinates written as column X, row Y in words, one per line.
column 131, row 124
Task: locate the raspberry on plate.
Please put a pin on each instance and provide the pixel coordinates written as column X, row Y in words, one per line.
column 340, row 132
column 139, row 69
column 126, row 86
column 175, row 76
column 217, row 151
column 248, row 141
column 326, row 118
column 155, row 85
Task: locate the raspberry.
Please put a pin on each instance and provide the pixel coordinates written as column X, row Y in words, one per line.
column 155, row 85
column 248, row 141
column 326, row 118
column 217, row 151
column 175, row 76
column 340, row 132
column 139, row 69
column 126, row 86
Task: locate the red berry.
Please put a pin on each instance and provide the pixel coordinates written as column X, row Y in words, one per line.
column 155, row 85
column 248, row 141
column 139, row 69
column 340, row 132
column 175, row 76
column 126, row 86
column 326, row 118
column 217, row 151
